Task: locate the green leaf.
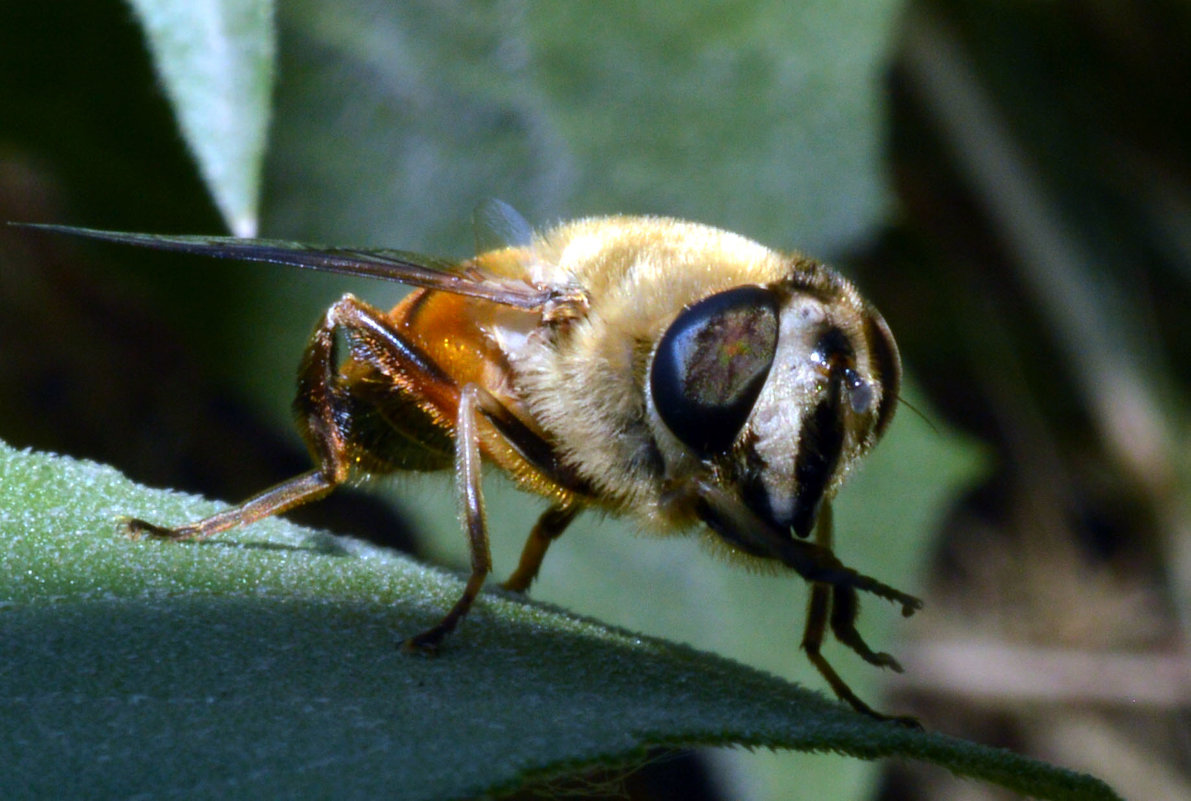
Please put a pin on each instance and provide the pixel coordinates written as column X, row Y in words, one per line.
column 761, row 116
column 264, row 661
column 215, row 60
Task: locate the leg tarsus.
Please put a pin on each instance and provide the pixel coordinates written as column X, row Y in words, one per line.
column 812, row 640
column 275, row 500
column 838, row 602
column 428, row 641
column 845, row 606
column 137, row 529
column 816, row 563
column 844, row 693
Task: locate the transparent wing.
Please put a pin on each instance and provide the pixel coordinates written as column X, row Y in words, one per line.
column 498, row 225
column 388, row 265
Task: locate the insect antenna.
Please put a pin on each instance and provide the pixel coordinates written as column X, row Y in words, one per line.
column 921, row 414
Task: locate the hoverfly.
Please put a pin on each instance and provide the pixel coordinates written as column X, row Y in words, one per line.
column 666, row 370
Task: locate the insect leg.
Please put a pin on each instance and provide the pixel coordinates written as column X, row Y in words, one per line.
column 275, row 500
column 816, row 624
column 325, row 396
column 474, row 402
column 845, row 602
column 813, row 561
column 825, row 598
column 550, row 526
column 323, row 406
column 374, row 342
column 471, row 499
column 845, row 607
column 812, row 641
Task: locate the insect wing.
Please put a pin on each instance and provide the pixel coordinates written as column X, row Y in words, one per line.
column 498, row 225
column 389, row 265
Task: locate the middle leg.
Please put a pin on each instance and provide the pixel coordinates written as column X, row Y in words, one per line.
column 469, row 491
column 550, row 526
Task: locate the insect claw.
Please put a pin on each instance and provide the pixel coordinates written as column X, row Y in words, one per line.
column 137, row 529
column 910, row 604
column 421, row 644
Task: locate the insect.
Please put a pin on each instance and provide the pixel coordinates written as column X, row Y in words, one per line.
column 669, row 371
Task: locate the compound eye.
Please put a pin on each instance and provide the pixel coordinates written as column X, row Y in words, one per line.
column 711, row 363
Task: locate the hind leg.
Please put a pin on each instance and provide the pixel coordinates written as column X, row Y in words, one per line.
column 324, row 407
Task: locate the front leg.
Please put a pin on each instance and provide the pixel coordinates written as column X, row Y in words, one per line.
column 840, row 601
column 834, row 586
column 743, row 529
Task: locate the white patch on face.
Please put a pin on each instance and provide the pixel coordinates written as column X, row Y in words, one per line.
column 789, row 393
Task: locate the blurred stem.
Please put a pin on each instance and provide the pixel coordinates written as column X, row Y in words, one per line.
column 1090, row 739
column 998, row 673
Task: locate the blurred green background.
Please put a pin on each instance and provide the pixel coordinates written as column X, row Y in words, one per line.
column 1009, row 182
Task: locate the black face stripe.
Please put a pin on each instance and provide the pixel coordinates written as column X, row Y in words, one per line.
column 819, row 445
column 834, row 350
column 819, row 450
